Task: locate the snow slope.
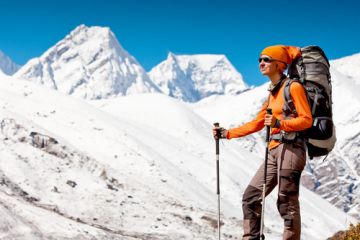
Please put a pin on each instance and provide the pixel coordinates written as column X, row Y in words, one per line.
column 349, row 66
column 193, row 77
column 88, row 63
column 136, row 167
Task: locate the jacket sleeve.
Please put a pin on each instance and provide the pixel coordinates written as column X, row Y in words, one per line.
column 304, row 118
column 253, row 126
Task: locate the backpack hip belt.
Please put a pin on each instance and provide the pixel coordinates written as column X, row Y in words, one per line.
column 287, row 137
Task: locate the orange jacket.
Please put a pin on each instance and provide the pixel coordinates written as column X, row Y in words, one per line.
column 276, row 103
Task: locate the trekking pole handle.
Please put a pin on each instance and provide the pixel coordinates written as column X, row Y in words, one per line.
column 217, row 125
column 268, row 111
column 217, row 136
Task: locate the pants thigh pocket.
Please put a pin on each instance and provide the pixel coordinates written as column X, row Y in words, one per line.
column 289, row 181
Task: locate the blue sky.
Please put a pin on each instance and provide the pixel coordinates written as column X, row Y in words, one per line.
column 150, row 29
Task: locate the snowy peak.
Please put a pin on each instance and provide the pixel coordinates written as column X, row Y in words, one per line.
column 349, row 66
column 193, row 77
column 7, row 66
column 89, row 63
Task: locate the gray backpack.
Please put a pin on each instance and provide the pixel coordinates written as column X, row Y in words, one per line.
column 312, row 71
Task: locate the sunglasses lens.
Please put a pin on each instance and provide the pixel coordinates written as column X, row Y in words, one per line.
column 265, row 59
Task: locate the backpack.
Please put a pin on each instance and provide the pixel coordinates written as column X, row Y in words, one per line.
column 312, row 71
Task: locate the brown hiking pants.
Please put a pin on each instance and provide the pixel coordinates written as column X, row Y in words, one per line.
column 285, row 164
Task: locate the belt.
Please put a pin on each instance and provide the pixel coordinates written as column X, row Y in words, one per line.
column 284, row 137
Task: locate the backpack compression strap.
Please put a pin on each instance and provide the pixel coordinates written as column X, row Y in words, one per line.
column 289, row 107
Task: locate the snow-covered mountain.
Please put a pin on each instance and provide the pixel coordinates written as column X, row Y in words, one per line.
column 89, row 63
column 193, row 77
column 7, row 66
column 336, row 179
column 345, row 159
column 134, row 167
column 349, row 66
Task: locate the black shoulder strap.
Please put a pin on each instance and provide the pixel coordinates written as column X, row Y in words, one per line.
column 289, row 107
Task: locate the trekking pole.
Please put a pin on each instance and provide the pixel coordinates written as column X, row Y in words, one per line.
column 218, row 172
column 268, row 111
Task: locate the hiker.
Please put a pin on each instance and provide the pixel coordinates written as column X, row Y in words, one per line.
column 286, row 155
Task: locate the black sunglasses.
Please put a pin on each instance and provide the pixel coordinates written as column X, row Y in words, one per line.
column 265, row 59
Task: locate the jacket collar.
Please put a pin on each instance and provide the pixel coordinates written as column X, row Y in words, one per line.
column 273, row 88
